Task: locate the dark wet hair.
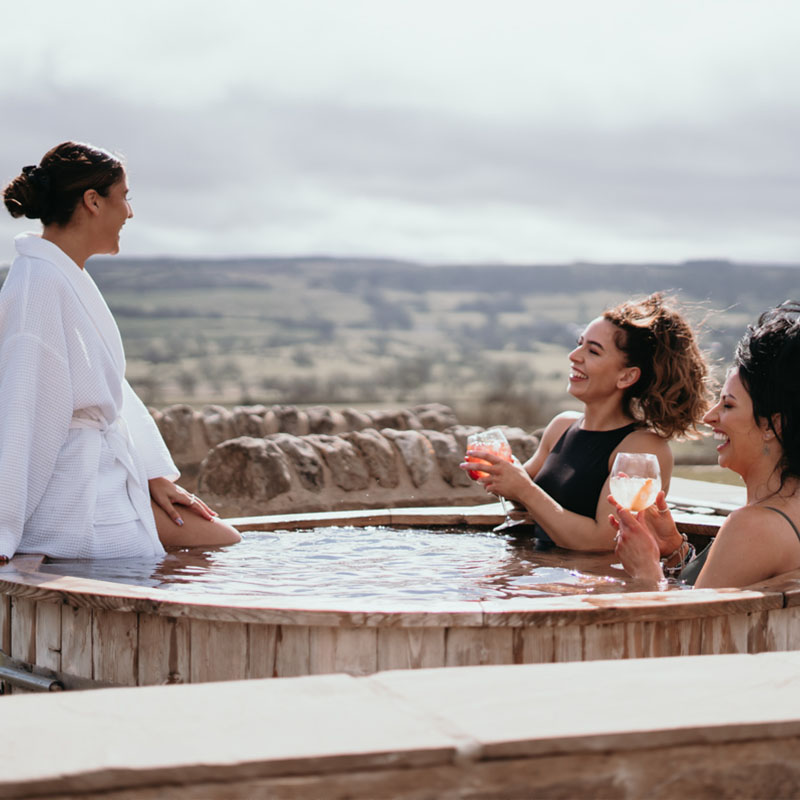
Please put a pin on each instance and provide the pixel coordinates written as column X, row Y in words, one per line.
column 51, row 190
column 768, row 361
column 672, row 393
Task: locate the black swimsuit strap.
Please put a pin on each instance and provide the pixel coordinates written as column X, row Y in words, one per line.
column 786, row 517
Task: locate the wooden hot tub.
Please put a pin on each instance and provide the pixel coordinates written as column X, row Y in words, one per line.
column 84, row 633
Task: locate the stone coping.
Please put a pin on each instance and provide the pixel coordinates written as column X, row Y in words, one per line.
column 341, row 735
column 486, row 514
column 721, row 498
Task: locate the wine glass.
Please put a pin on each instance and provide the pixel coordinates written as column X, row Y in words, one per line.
column 635, row 480
column 494, row 441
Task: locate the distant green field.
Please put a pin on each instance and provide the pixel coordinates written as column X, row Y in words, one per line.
column 491, row 340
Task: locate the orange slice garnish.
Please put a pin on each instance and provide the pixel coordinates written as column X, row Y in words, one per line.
column 640, row 498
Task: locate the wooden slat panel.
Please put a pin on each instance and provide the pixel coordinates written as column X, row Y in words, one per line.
column 474, row 646
column 740, row 627
column 783, row 629
column 292, row 651
column 48, row 635
column 261, row 650
column 219, row 651
column 757, row 632
column 673, row 638
column 568, row 644
column 5, row 624
column 115, row 646
column 76, row 641
column 351, row 650
column 604, row 641
column 537, row 645
column 164, row 653
column 23, row 629
column 725, row 634
column 670, row 638
column 792, row 616
column 411, row 648
column 661, row 639
column 640, row 639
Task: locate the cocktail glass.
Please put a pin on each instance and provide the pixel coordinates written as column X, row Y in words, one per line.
column 635, row 480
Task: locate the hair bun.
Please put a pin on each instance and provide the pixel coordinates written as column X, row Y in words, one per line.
column 51, row 190
column 40, row 183
column 27, row 194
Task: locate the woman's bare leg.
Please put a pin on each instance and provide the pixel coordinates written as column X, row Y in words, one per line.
column 195, row 531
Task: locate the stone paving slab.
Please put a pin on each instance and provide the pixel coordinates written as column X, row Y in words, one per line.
column 444, row 724
column 105, row 739
column 609, row 705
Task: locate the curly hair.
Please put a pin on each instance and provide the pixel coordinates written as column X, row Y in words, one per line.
column 672, row 393
column 767, row 359
column 51, row 190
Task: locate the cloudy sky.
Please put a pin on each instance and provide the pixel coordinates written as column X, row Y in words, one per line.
column 436, row 130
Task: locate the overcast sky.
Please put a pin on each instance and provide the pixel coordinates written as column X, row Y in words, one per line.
column 435, row 130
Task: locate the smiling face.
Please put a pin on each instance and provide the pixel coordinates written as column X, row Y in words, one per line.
column 114, row 212
column 741, row 439
column 597, row 365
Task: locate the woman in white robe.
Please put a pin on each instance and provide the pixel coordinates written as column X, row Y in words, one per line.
column 84, row 472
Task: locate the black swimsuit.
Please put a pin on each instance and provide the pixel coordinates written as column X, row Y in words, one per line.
column 691, row 571
column 576, row 469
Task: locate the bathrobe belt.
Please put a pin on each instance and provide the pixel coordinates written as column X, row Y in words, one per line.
column 118, row 439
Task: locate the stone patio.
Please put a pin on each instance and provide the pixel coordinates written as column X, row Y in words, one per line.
column 689, row 727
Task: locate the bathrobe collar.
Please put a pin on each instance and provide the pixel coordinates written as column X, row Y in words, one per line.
column 31, row 245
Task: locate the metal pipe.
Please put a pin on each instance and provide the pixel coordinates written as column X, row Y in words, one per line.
column 27, row 680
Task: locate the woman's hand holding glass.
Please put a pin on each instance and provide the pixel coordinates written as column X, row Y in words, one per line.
column 635, row 484
column 636, row 545
column 644, row 538
column 492, row 441
column 644, row 525
column 657, row 518
column 500, row 473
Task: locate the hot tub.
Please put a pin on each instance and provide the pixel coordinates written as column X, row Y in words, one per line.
column 83, row 632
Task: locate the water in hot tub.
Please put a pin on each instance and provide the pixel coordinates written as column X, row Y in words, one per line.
column 366, row 562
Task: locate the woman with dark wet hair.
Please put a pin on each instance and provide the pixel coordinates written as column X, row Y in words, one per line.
column 757, row 424
column 642, row 380
column 84, row 472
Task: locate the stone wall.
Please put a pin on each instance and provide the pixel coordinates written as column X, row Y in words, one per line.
column 364, row 468
column 190, row 433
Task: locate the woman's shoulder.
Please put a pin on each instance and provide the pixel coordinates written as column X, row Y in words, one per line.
column 554, row 430
column 33, row 297
column 753, row 544
column 556, row 427
column 35, row 273
column 760, row 541
column 757, row 531
column 644, row 440
column 758, row 518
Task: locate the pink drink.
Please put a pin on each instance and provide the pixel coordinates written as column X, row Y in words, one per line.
column 492, row 441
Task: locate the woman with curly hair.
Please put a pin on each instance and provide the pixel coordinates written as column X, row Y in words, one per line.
column 84, row 471
column 642, row 379
column 757, row 424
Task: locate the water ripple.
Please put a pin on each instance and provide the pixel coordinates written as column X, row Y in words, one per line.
column 349, row 562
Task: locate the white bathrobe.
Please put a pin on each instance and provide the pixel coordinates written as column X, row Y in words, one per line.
column 77, row 446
